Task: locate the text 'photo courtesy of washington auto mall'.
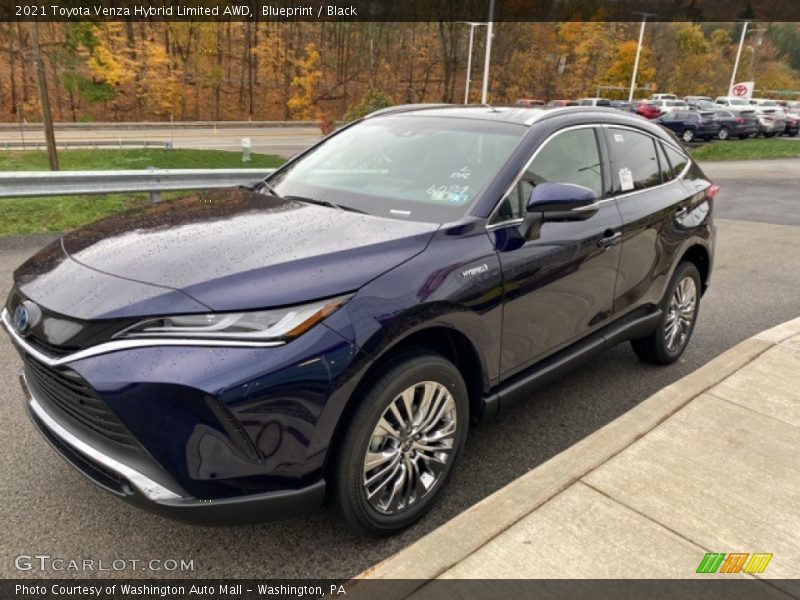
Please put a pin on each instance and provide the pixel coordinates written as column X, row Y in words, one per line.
column 419, row 299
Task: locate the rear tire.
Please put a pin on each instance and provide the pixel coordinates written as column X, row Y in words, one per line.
column 680, row 307
column 724, row 133
column 412, row 450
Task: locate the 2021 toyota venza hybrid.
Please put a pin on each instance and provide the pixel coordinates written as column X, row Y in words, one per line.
column 331, row 332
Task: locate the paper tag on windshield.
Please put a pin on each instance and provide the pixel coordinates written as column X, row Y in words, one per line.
column 618, row 137
column 625, row 179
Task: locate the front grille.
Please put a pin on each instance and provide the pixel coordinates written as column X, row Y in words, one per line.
column 49, row 349
column 68, row 392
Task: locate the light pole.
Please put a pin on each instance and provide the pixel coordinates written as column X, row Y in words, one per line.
column 472, row 26
column 738, row 56
column 638, row 52
column 760, row 31
column 488, row 57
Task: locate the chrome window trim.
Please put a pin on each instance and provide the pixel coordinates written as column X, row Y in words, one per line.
column 117, row 345
column 151, row 490
column 489, row 224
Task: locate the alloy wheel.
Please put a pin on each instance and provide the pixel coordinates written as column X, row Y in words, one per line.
column 410, row 447
column 680, row 314
column 688, row 135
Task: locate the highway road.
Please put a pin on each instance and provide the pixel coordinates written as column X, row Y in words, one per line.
column 48, row 508
column 283, row 141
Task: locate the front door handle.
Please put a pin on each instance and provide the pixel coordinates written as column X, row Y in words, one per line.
column 609, row 239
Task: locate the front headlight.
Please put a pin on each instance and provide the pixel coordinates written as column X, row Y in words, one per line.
column 280, row 324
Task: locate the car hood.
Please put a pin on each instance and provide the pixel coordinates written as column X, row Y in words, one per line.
column 231, row 249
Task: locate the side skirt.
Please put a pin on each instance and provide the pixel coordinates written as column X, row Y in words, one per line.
column 636, row 325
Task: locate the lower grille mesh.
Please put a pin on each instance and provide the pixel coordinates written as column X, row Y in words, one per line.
column 66, row 391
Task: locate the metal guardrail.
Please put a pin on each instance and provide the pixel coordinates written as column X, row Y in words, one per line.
column 21, row 184
column 94, row 144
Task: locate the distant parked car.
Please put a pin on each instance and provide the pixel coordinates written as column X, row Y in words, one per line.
column 666, row 106
column 662, row 97
column 622, row 105
column 766, row 102
column 529, row 102
column 702, row 104
column 557, row 103
column 792, row 124
column 741, row 124
column 697, row 101
column 733, row 103
column 594, row 102
column 690, row 125
column 772, row 121
column 646, row 110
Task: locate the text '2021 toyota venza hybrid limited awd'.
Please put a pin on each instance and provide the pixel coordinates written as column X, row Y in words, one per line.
column 331, row 333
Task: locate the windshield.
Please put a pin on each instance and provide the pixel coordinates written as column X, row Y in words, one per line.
column 417, row 168
column 737, row 102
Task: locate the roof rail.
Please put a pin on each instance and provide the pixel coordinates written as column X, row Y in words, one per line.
column 401, row 108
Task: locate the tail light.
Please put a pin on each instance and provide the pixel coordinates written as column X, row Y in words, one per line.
column 739, row 120
column 712, row 191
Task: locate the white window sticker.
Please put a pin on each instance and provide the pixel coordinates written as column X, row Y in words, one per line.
column 625, row 179
column 618, row 137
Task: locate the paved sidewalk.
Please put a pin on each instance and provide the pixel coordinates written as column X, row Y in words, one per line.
column 710, row 463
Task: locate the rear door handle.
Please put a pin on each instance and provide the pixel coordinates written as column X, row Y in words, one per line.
column 609, row 239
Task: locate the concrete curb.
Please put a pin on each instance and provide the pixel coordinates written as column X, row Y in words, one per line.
column 451, row 543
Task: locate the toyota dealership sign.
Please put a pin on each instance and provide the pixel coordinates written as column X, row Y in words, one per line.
column 743, row 90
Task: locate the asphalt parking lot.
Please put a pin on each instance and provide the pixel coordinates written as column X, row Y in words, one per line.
column 47, row 508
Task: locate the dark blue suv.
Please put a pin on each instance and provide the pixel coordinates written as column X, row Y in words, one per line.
column 333, row 331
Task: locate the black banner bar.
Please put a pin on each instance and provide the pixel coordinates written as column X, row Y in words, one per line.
column 396, row 10
column 712, row 587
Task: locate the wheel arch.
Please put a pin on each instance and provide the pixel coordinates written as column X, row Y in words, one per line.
column 698, row 255
column 438, row 338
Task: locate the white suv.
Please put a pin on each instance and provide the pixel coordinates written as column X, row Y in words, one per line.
column 733, row 103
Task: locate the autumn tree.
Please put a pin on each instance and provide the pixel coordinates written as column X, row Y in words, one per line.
column 621, row 69
column 304, row 85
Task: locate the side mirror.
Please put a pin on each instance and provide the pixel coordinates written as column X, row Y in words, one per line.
column 562, row 201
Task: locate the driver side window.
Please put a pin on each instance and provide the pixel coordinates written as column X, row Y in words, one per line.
column 570, row 157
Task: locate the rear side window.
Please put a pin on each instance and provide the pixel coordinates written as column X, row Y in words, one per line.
column 677, row 161
column 663, row 163
column 633, row 160
column 569, row 157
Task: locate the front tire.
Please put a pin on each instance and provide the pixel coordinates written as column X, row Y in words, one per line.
column 401, row 444
column 724, row 133
column 680, row 307
column 688, row 135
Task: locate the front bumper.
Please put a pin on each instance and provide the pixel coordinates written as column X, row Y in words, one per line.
column 142, row 489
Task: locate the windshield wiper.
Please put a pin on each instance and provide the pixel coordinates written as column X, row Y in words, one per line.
column 327, row 203
column 263, row 184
